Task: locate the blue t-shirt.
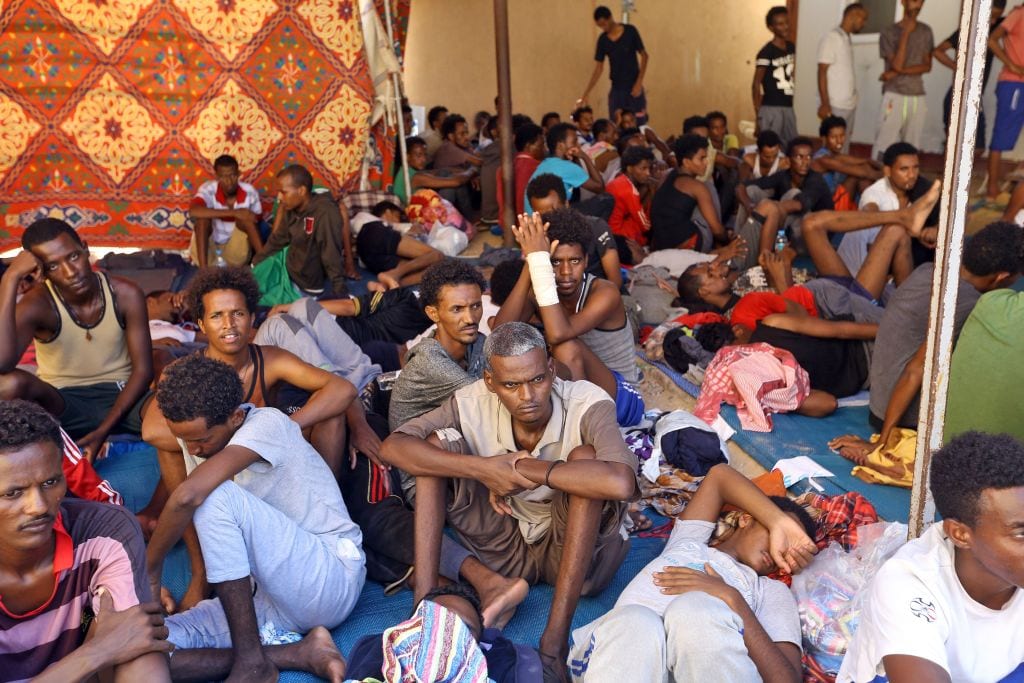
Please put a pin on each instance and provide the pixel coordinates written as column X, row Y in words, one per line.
column 572, row 174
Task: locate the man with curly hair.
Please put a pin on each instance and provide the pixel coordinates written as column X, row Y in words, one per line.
column 268, row 514
column 224, row 301
column 584, row 319
column 948, row 606
column 91, row 333
column 72, row 572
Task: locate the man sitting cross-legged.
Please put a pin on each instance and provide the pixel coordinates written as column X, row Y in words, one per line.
column 276, row 536
column 584, row 318
column 530, row 471
column 223, row 301
column 91, row 332
column 948, row 606
column 707, row 611
column 72, row 572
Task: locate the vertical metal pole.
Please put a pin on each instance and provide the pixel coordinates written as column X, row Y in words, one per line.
column 396, row 79
column 955, row 187
column 508, row 181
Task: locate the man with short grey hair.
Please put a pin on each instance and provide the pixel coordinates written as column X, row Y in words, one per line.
column 530, row 471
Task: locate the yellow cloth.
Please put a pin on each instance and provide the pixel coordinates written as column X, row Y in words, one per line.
column 892, row 462
column 78, row 356
column 235, row 251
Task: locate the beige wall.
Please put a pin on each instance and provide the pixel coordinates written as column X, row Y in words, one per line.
column 702, row 54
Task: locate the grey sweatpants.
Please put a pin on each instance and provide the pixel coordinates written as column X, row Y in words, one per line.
column 302, row 580
column 780, row 119
column 699, row 639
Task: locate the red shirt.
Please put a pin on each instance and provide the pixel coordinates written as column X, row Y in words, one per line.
column 628, row 218
column 523, row 166
column 754, row 307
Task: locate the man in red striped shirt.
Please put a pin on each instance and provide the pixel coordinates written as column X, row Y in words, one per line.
column 74, row 600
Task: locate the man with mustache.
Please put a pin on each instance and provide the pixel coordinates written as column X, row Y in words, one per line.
column 72, row 572
column 530, row 471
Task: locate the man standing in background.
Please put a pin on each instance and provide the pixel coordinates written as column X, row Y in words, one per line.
column 621, row 44
column 774, row 79
column 906, row 47
column 837, row 82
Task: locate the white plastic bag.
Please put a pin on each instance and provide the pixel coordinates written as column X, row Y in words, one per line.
column 447, row 240
column 829, row 592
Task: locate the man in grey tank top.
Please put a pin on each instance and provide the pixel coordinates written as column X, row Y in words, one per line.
column 584, row 319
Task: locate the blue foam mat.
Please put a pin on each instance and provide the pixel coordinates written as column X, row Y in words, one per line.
column 794, row 435
column 134, row 472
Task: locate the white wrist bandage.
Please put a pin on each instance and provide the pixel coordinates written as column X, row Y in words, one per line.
column 542, row 275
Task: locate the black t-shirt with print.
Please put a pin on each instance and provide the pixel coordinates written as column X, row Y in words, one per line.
column 621, row 56
column 778, row 75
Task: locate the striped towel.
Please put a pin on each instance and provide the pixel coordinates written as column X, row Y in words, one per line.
column 434, row 645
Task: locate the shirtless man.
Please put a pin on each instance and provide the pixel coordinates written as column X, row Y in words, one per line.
column 91, row 332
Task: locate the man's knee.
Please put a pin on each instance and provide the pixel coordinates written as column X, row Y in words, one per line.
column 222, row 502
column 13, row 385
column 767, row 207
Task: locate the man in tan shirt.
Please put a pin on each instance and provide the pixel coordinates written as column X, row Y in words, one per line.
column 530, row 471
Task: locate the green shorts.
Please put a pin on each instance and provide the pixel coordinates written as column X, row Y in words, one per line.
column 87, row 406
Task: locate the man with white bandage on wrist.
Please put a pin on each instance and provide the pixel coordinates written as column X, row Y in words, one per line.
column 584, row 320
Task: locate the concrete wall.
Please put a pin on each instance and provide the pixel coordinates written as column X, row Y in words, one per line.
column 702, row 54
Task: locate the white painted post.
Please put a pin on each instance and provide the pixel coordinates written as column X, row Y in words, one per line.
column 955, row 191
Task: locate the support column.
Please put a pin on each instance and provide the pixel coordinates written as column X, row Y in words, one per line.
column 508, row 180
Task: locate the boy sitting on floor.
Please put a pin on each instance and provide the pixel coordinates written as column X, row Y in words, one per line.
column 948, row 606
column 277, row 540
column 708, row 613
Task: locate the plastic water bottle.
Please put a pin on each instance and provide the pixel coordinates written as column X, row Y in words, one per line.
column 780, row 240
column 218, row 259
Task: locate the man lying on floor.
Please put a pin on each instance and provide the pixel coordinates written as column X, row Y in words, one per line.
column 948, row 606
column 708, row 613
column 530, row 471
column 268, row 513
column 72, row 572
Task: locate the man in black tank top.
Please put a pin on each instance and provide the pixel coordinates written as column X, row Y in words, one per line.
column 91, row 332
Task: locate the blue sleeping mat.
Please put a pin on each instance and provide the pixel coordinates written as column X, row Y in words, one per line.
column 794, row 435
column 133, row 470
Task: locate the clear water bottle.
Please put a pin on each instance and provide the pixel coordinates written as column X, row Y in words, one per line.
column 218, row 258
column 780, row 240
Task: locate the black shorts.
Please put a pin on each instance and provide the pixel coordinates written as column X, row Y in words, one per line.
column 377, row 246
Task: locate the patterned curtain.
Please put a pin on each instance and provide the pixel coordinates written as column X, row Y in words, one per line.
column 112, row 111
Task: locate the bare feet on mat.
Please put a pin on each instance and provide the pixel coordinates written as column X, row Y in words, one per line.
column 852, row 448
column 500, row 601
column 321, row 655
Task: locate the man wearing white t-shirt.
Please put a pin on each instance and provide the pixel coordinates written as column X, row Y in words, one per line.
column 226, row 214
column 901, row 185
column 948, row 606
column 707, row 613
column 280, row 548
column 837, row 82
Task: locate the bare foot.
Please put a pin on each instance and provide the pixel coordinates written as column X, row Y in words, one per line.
column 388, row 279
column 263, row 672
column 852, row 448
column 920, row 209
column 376, row 287
column 500, row 601
column 321, row 655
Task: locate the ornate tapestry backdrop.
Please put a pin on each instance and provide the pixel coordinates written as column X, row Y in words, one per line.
column 111, row 112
